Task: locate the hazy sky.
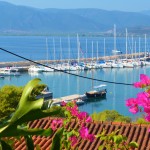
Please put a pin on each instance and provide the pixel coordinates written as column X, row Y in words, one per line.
column 123, row 5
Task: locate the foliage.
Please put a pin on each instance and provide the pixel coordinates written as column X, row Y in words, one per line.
column 28, row 109
column 9, row 96
column 113, row 141
column 141, row 121
column 110, row 115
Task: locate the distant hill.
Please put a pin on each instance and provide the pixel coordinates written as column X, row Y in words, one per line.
column 28, row 20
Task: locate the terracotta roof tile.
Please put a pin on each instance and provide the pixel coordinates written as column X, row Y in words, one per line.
column 134, row 132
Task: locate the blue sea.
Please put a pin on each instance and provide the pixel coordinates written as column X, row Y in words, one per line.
column 61, row 84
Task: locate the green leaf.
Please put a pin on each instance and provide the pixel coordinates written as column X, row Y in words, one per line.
column 26, row 102
column 12, row 132
column 101, row 147
column 133, row 144
column 56, row 144
column 118, row 139
column 38, row 147
column 29, row 142
column 5, row 146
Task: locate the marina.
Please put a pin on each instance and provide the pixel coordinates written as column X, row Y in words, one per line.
column 63, row 84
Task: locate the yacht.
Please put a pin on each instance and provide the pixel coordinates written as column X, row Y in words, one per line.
column 9, row 71
column 34, row 68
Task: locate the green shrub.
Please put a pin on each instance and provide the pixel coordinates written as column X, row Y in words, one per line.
column 110, row 115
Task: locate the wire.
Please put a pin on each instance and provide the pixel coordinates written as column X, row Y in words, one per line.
column 64, row 71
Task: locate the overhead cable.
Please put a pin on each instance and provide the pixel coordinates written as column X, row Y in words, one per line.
column 112, row 82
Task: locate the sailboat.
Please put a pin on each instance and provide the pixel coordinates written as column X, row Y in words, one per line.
column 78, row 66
column 104, row 63
column 47, row 69
column 126, row 62
column 70, row 67
column 116, row 64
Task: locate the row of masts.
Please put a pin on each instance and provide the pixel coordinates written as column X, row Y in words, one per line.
column 114, row 51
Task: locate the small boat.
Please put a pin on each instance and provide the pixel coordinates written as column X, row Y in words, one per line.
column 33, row 68
column 9, row 71
column 46, row 94
column 79, row 102
column 98, row 92
column 48, row 69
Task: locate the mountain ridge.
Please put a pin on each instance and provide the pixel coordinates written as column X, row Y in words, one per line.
column 29, row 20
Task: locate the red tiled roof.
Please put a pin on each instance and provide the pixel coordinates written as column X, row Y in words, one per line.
column 133, row 132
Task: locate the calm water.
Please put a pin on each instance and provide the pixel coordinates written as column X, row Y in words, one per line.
column 63, row 84
column 34, row 47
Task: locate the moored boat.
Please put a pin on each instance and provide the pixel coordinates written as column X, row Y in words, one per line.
column 34, row 68
column 98, row 92
column 8, row 71
column 46, row 94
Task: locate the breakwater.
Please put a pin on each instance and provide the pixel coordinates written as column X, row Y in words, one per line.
column 28, row 63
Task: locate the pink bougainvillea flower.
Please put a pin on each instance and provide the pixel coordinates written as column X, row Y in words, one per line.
column 142, row 102
column 63, row 103
column 147, row 118
column 83, row 132
column 131, row 101
column 91, row 137
column 89, row 119
column 144, row 78
column 55, row 123
column 147, row 109
column 145, row 81
column 82, row 115
column 73, row 140
column 134, row 109
column 137, row 85
column 149, row 130
column 74, row 111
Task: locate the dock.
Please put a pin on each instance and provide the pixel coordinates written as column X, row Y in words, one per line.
column 69, row 98
column 24, row 65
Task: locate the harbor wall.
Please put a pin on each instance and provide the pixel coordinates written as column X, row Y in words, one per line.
column 28, row 63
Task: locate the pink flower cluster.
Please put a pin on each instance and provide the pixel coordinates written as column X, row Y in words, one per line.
column 56, row 123
column 142, row 101
column 144, row 81
column 84, row 133
column 82, row 117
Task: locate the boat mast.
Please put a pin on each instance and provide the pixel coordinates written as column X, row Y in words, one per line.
column 97, row 50
column 114, row 37
column 139, row 46
column 54, row 48
column 78, row 47
column 47, row 50
column 104, row 48
column 68, row 49
column 86, row 49
column 60, row 51
column 126, row 42
column 145, row 46
column 135, row 50
column 92, row 52
column 132, row 47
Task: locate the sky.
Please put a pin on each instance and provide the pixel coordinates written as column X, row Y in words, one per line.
column 121, row 5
